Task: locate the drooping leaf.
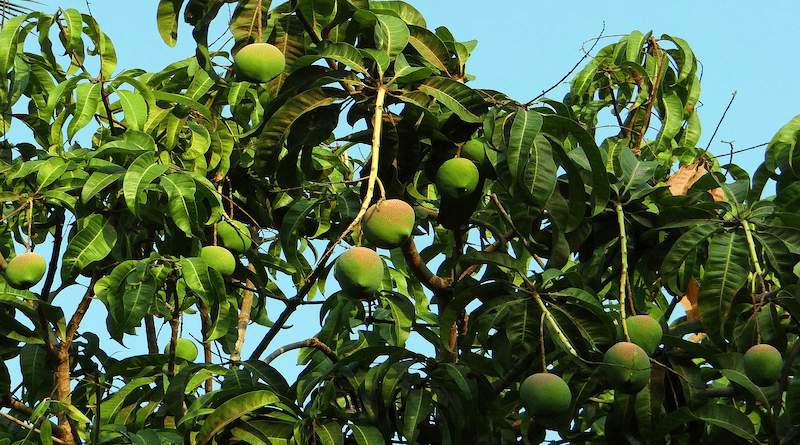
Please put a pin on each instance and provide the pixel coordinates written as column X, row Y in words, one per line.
column 234, row 408
column 457, row 97
column 167, row 20
column 91, row 243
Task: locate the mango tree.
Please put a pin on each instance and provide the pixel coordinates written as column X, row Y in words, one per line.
column 528, row 255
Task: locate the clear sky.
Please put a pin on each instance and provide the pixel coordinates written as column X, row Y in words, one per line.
column 526, row 46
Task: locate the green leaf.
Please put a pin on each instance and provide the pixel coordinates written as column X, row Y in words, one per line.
column 9, row 38
column 134, row 107
column 430, row 47
column 167, row 20
column 634, row 50
column 729, row 418
column 457, row 97
column 671, row 114
column 500, row 259
column 525, row 128
column 291, row 225
column 277, row 126
column 330, row 433
column 391, row 34
column 91, row 243
column 209, row 287
column 726, row 271
column 99, row 180
column 341, row 52
column 74, row 29
column 417, row 407
column 402, row 311
column 233, row 409
column 49, row 172
column 182, row 207
column 366, row 434
column 85, row 106
column 142, row 172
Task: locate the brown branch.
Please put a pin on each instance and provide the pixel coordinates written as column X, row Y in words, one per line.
column 205, row 329
column 35, row 430
column 433, row 282
column 313, row 342
column 80, row 312
column 244, row 317
column 293, row 303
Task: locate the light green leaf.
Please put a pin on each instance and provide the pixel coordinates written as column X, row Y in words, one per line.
column 726, row 271
column 91, row 243
column 234, row 408
column 417, row 407
column 341, row 52
column 134, row 107
column 167, row 19
column 277, row 127
column 182, row 207
column 671, row 113
column 201, row 141
column 9, row 38
column 98, row 181
column 74, row 29
column 430, row 47
column 457, row 97
column 85, row 106
column 142, row 172
column 391, row 34
column 50, row 172
column 367, row 435
column 209, row 287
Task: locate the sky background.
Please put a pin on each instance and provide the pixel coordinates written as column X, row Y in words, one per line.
column 525, row 47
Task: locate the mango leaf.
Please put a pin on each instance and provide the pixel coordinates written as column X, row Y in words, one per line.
column 330, row 433
column 524, row 129
column 49, row 172
column 670, row 109
column 9, row 38
column 142, row 172
column 430, row 47
column 167, row 20
column 290, row 227
column 134, row 107
column 209, row 287
column 341, row 52
column 402, row 311
column 726, row 271
column 233, row 409
column 182, row 207
column 391, row 34
column 88, row 97
column 457, row 97
column 91, row 243
column 417, row 407
column 366, row 434
column 73, row 29
column 277, row 126
column 135, row 302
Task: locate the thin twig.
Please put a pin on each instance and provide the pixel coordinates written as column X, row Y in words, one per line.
column 313, row 342
column 585, row 55
column 711, row 139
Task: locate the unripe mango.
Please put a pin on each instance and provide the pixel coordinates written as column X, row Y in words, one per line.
column 545, row 395
column 184, row 349
column 219, row 259
column 24, row 271
column 388, row 223
column 260, row 62
column 644, row 331
column 359, row 272
column 627, row 367
column 234, row 235
column 763, row 364
column 457, row 178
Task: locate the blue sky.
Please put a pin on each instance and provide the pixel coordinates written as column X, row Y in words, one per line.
column 526, row 46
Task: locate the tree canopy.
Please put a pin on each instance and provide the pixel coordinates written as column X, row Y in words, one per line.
column 530, row 255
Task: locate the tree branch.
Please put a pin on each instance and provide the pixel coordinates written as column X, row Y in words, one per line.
column 313, row 342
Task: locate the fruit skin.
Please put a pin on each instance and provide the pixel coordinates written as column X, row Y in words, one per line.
column 235, row 240
column 259, row 61
column 219, row 259
column 545, row 395
column 359, row 272
column 763, row 364
column 474, row 151
column 184, row 349
column 24, row 271
column 388, row 223
column 627, row 367
column 457, row 177
column 644, row 331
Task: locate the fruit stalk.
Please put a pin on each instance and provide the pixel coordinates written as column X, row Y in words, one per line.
column 623, row 278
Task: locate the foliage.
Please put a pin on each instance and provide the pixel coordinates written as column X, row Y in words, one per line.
column 126, row 175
